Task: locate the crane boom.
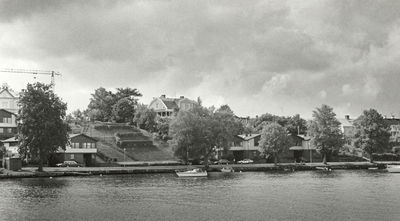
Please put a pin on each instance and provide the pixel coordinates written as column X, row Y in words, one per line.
column 23, row 71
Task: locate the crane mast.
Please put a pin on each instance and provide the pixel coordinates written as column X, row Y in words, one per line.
column 23, row 71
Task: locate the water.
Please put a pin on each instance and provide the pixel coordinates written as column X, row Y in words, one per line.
column 308, row 195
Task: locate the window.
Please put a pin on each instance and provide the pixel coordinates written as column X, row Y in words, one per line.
column 9, row 130
column 72, row 156
column 1, row 130
column 156, row 105
column 7, row 120
column 5, row 104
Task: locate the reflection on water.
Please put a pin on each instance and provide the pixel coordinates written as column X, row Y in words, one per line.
column 299, row 195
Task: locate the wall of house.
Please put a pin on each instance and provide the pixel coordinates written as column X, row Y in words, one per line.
column 157, row 105
column 186, row 104
column 8, row 125
column 8, row 102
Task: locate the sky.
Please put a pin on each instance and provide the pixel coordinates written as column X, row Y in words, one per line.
column 278, row 57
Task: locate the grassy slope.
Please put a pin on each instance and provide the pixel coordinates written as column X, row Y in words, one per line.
column 160, row 151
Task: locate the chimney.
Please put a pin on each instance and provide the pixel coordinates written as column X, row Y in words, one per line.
column 163, row 96
column 347, row 117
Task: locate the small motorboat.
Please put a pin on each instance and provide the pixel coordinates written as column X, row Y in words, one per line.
column 324, row 168
column 227, row 169
column 197, row 172
column 393, row 168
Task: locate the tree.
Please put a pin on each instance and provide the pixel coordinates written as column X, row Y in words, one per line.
column 325, row 132
column 145, row 118
column 199, row 132
column 296, row 125
column 371, row 133
column 105, row 105
column 274, row 140
column 101, row 104
column 41, row 126
column 3, row 151
column 123, row 111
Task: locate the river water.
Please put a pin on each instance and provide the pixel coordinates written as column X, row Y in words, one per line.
column 299, row 195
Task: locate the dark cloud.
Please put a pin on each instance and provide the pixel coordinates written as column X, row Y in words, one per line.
column 271, row 54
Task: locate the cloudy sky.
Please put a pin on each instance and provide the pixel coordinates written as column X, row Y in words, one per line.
column 278, row 57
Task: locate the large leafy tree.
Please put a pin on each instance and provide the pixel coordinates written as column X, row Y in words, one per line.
column 101, row 104
column 325, row 132
column 123, row 111
column 145, row 118
column 274, row 140
column 105, row 105
column 41, row 126
column 371, row 133
column 199, row 132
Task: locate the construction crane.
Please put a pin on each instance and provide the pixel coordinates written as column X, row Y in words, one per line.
column 23, row 71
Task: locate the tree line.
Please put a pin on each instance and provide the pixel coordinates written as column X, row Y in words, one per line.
column 198, row 132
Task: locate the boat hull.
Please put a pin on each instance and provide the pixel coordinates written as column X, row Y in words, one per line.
column 393, row 169
column 191, row 173
column 227, row 170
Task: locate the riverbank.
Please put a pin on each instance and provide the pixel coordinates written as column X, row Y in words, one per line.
column 31, row 172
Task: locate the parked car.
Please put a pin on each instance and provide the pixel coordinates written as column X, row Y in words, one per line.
column 245, row 161
column 222, row 161
column 69, row 163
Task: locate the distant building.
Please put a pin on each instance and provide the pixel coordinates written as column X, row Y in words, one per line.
column 347, row 128
column 394, row 124
column 8, row 124
column 9, row 100
column 165, row 107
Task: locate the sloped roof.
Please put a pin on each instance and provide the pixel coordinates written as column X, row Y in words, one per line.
column 10, row 140
column 169, row 102
column 12, row 93
column 77, row 135
column 8, row 111
column 302, row 148
column 346, row 122
column 248, row 136
column 392, row 121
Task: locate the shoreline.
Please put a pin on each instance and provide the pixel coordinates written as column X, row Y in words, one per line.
column 50, row 172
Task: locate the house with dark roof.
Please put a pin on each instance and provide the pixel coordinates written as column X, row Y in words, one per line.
column 82, row 148
column 9, row 100
column 245, row 146
column 165, row 107
column 8, row 124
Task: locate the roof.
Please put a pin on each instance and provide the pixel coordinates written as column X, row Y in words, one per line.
column 10, row 140
column 248, row 136
column 8, row 111
column 12, row 93
column 77, row 135
column 169, row 102
column 392, row 121
column 302, row 148
column 301, row 136
column 346, row 122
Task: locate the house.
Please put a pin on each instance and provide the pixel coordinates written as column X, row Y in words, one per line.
column 9, row 100
column 394, row 124
column 245, row 146
column 81, row 148
column 303, row 149
column 8, row 124
column 165, row 107
column 348, row 128
column 11, row 145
